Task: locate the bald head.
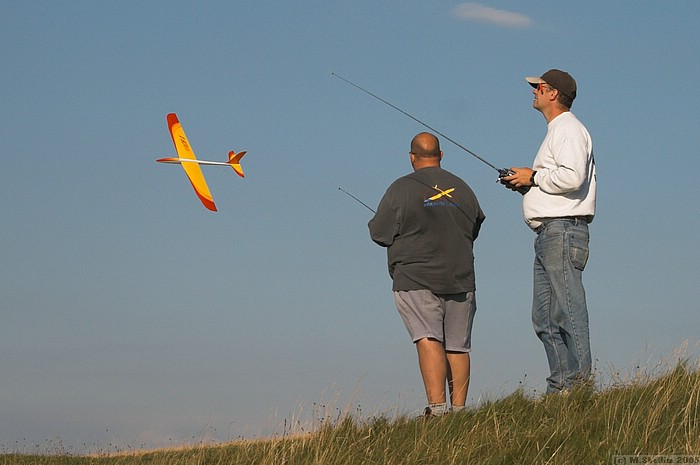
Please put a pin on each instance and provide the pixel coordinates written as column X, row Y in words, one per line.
column 425, row 145
column 425, row 151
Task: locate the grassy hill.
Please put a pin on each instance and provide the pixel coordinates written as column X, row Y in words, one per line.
column 652, row 419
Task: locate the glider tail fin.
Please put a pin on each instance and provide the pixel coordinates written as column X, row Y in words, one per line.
column 234, row 159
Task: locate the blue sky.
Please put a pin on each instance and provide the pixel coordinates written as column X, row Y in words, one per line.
column 134, row 317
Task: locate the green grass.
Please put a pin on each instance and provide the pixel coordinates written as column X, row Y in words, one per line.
column 648, row 416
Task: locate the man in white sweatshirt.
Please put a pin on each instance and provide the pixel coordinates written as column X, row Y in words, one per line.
column 558, row 206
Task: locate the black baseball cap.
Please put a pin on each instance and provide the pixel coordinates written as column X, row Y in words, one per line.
column 560, row 80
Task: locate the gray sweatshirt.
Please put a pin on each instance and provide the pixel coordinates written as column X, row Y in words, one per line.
column 428, row 220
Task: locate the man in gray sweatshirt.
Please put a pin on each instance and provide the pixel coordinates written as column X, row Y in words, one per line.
column 428, row 221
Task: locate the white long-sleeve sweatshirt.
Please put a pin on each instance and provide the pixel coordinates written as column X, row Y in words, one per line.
column 565, row 182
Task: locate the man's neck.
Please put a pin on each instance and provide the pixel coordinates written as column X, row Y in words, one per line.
column 553, row 113
column 425, row 163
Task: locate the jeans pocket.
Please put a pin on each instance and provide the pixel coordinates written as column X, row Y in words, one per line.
column 578, row 251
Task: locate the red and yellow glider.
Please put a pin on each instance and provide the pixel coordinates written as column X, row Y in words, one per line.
column 190, row 163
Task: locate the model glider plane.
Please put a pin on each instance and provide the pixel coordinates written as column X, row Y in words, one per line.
column 190, row 163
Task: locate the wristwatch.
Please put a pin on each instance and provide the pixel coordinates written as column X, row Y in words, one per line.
column 532, row 178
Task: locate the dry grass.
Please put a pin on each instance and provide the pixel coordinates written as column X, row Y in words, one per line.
column 657, row 415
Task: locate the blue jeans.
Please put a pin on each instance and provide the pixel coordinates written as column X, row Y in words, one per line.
column 559, row 313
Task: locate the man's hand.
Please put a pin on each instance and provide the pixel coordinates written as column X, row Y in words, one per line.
column 521, row 178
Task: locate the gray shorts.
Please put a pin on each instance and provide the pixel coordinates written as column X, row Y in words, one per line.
column 447, row 318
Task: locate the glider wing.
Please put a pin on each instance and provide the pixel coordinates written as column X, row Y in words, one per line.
column 193, row 171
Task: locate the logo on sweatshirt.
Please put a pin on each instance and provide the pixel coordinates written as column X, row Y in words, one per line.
column 435, row 200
